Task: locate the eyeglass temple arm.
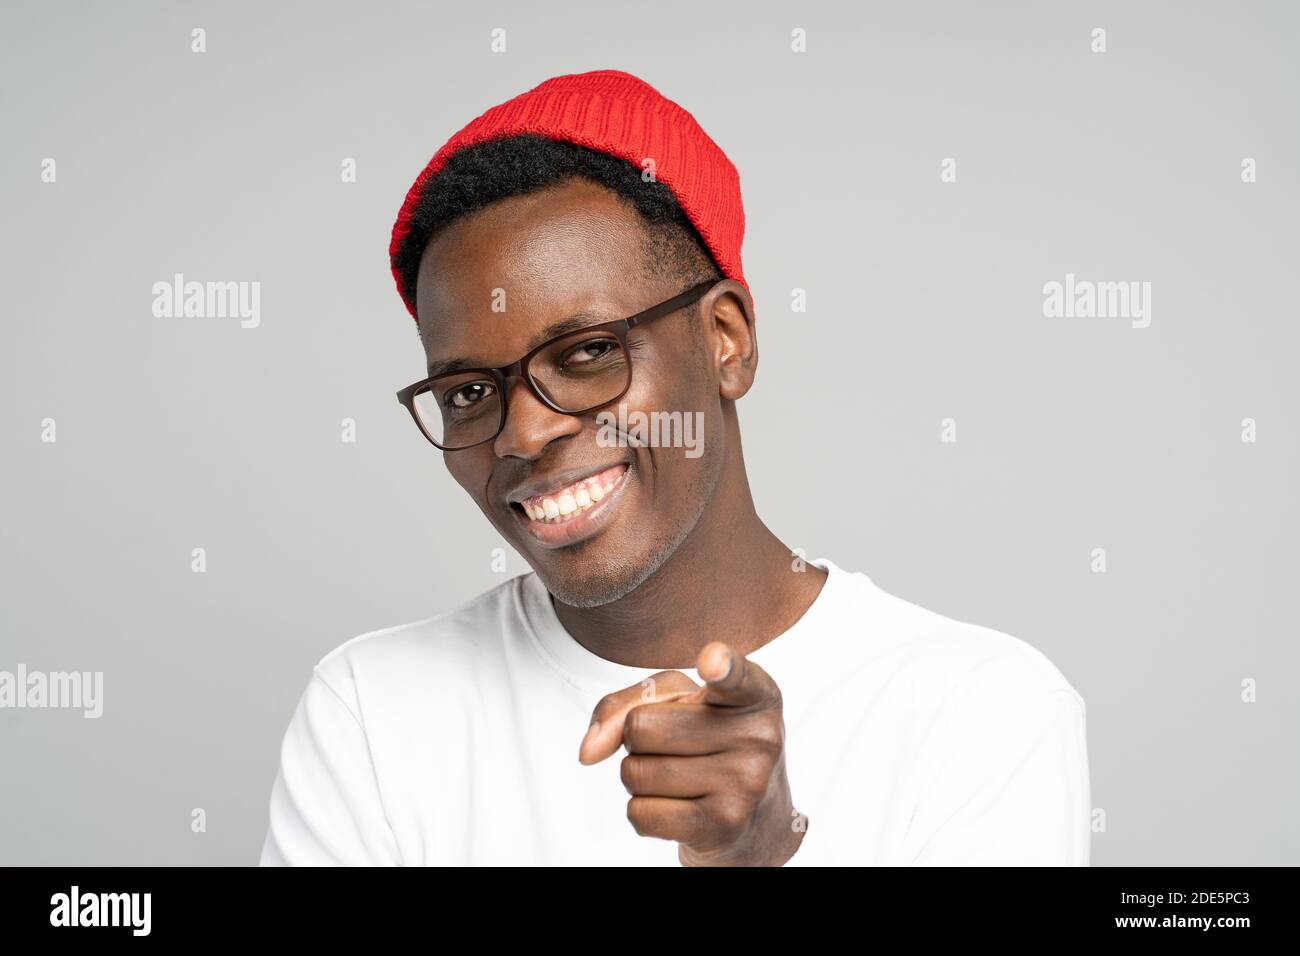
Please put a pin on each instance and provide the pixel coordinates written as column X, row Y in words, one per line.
column 673, row 304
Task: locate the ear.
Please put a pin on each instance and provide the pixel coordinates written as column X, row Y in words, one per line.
column 729, row 325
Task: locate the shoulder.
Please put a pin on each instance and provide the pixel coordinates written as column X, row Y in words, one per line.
column 945, row 659
column 432, row 649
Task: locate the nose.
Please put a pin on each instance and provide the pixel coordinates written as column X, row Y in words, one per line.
column 530, row 424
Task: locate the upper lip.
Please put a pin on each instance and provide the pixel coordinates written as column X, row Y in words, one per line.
column 560, row 479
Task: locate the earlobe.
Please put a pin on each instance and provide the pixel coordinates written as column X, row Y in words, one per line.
column 736, row 375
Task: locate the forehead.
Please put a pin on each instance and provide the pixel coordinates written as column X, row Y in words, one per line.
column 490, row 281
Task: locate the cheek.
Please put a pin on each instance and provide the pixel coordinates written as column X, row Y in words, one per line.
column 679, row 383
column 468, row 472
column 669, row 380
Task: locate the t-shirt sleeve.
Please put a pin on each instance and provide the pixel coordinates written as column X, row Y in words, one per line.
column 1004, row 780
column 326, row 808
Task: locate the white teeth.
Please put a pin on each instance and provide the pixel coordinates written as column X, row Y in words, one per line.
column 578, row 497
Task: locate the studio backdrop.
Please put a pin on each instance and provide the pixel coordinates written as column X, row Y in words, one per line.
column 1024, row 279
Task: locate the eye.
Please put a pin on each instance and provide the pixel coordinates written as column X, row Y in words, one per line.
column 464, row 396
column 590, row 351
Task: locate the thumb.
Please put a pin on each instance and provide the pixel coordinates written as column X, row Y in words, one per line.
column 731, row 679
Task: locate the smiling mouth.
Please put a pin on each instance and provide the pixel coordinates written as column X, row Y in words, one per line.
column 573, row 512
column 565, row 504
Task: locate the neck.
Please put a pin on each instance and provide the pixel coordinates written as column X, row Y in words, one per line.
column 731, row 580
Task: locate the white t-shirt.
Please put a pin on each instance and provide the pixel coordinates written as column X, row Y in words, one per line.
column 911, row 738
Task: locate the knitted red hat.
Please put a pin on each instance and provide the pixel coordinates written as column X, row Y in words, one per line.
column 620, row 114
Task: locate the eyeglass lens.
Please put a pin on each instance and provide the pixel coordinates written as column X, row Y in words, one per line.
column 575, row 373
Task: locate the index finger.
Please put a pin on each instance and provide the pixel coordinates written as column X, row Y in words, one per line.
column 605, row 735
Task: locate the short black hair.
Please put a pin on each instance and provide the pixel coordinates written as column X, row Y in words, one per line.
column 482, row 174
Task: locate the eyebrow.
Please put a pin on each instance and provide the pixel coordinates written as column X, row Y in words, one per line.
column 579, row 320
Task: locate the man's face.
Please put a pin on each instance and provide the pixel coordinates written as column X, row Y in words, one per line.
column 573, row 248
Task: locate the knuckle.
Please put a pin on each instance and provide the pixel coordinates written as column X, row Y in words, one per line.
column 671, row 682
column 768, row 737
column 732, row 815
column 632, row 771
column 755, row 777
column 668, row 677
column 605, row 706
column 635, row 726
column 636, row 816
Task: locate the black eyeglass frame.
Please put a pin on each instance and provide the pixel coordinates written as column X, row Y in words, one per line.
column 519, row 369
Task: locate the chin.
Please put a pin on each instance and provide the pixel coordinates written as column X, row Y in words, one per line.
column 593, row 584
column 592, row 590
column 581, row 579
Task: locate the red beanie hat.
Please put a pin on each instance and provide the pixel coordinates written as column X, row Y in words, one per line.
column 620, row 114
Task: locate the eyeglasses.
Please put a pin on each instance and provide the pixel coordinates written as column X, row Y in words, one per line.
column 572, row 373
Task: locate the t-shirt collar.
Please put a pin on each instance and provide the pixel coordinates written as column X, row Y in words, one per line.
column 593, row 674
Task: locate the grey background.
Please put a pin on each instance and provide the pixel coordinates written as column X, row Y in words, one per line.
column 1072, row 433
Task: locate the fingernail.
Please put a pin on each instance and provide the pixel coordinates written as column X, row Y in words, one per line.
column 726, row 673
column 591, row 732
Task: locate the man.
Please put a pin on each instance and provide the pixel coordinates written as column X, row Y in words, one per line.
column 828, row 722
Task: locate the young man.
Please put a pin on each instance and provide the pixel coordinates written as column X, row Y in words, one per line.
column 828, row 722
